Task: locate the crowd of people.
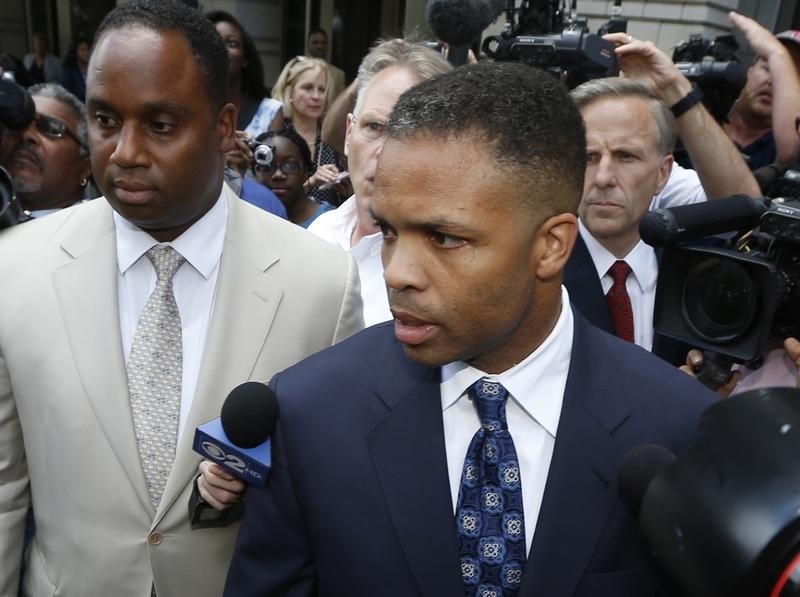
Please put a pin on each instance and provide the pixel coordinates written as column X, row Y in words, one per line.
column 481, row 221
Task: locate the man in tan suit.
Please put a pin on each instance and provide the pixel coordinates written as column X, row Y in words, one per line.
column 79, row 409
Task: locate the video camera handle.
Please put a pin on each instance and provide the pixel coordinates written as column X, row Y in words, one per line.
column 617, row 23
column 715, row 370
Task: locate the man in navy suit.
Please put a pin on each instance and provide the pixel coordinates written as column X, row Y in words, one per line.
column 631, row 126
column 373, row 459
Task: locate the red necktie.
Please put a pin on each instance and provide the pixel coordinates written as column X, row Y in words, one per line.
column 619, row 302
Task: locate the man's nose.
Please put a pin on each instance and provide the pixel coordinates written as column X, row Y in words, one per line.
column 605, row 175
column 402, row 267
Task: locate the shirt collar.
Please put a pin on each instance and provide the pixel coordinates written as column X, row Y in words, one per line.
column 524, row 380
column 641, row 259
column 201, row 244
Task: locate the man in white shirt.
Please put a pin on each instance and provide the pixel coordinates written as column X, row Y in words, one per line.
column 472, row 445
column 127, row 320
column 387, row 71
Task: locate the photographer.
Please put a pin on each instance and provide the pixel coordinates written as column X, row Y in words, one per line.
column 762, row 120
column 48, row 161
column 715, row 158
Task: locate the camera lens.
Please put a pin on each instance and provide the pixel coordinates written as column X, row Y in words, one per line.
column 262, row 156
column 720, row 300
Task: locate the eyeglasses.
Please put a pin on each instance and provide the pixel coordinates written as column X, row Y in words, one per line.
column 55, row 128
column 285, row 167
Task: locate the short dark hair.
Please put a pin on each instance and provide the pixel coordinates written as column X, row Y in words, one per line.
column 523, row 116
column 287, row 131
column 314, row 30
column 170, row 15
column 253, row 69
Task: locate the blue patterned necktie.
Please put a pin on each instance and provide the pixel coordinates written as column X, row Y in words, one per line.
column 489, row 516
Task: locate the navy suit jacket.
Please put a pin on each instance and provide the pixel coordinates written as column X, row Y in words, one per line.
column 586, row 294
column 359, row 501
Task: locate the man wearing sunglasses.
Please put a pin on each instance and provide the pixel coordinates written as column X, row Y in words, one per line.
column 49, row 160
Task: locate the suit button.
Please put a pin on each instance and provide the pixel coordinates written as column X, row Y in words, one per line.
column 155, row 538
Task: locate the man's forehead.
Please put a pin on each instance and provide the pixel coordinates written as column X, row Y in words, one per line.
column 50, row 106
column 604, row 117
column 383, row 91
column 135, row 44
column 148, row 65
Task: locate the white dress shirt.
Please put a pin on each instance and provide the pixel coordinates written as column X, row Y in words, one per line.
column 194, row 286
column 337, row 226
column 641, row 283
column 536, row 393
column 683, row 188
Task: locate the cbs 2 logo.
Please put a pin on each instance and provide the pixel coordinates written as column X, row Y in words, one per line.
column 229, row 460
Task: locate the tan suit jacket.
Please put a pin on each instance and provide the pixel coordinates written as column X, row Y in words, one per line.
column 65, row 418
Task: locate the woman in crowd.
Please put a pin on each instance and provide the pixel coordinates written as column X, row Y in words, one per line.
column 290, row 168
column 42, row 66
column 257, row 111
column 304, row 91
column 73, row 71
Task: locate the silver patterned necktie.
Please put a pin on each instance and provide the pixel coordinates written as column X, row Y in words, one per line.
column 155, row 368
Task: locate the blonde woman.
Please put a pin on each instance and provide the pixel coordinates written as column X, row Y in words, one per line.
column 303, row 89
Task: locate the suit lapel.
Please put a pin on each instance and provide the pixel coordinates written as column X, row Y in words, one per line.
column 234, row 341
column 584, row 287
column 86, row 290
column 408, row 453
column 581, row 487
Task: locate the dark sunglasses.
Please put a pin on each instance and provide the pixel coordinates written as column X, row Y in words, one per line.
column 55, row 129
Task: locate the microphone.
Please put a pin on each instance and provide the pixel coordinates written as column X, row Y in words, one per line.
column 639, row 466
column 664, row 227
column 238, row 441
column 461, row 22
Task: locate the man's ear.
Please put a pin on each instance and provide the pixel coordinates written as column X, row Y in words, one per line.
column 664, row 169
column 347, row 133
column 226, row 127
column 553, row 245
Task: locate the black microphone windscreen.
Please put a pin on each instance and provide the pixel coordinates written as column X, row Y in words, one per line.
column 461, row 22
column 639, row 466
column 249, row 414
column 663, row 227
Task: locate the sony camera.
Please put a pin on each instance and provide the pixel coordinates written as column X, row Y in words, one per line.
column 713, row 65
column 539, row 35
column 17, row 111
column 730, row 300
